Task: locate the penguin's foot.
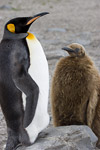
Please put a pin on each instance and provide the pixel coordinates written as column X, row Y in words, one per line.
column 12, row 143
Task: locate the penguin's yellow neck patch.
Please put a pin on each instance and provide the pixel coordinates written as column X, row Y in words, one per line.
column 30, row 36
column 11, row 27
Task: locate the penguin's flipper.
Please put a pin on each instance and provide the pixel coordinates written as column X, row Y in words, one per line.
column 27, row 85
column 93, row 100
column 96, row 122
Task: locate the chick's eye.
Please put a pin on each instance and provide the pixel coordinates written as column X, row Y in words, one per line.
column 11, row 27
column 77, row 50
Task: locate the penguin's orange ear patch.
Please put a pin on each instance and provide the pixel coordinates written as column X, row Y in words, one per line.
column 11, row 27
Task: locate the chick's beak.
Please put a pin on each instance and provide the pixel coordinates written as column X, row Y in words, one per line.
column 68, row 49
column 32, row 19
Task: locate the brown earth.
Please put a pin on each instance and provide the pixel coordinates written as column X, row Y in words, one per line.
column 69, row 21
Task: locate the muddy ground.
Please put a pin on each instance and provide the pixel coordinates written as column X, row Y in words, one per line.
column 69, row 21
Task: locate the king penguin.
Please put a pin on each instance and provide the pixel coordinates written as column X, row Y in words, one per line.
column 24, row 82
column 75, row 90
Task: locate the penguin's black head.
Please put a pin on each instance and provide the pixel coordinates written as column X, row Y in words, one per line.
column 21, row 24
column 75, row 50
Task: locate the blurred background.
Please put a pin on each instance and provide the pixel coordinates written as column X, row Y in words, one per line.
column 69, row 21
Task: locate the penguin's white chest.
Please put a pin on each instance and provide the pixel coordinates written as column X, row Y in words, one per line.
column 38, row 65
column 38, row 70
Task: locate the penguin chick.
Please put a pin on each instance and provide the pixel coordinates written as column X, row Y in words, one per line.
column 21, row 80
column 75, row 89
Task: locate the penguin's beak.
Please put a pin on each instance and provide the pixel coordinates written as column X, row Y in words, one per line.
column 68, row 49
column 32, row 19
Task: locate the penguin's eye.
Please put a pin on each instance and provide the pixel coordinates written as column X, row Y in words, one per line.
column 11, row 27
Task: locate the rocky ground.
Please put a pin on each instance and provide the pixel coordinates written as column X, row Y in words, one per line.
column 69, row 21
column 64, row 138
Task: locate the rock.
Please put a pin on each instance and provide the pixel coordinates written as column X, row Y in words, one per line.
column 5, row 7
column 8, row 7
column 65, row 138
